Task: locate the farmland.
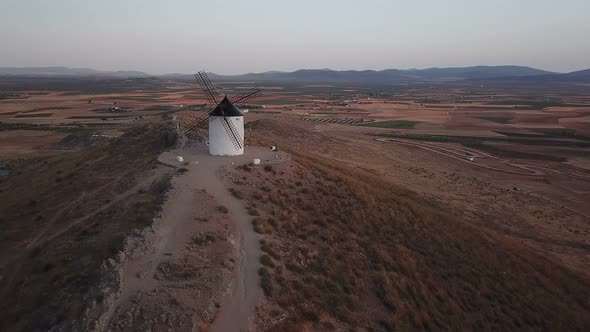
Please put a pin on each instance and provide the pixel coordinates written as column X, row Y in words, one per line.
column 401, row 207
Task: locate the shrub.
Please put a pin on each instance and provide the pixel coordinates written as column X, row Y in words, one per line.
column 252, row 211
column 258, row 226
column 222, row 209
column 267, row 248
column 265, row 281
column 236, row 193
column 168, row 137
column 266, row 260
column 268, row 168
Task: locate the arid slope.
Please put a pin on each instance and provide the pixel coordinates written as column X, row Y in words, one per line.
column 346, row 248
column 63, row 216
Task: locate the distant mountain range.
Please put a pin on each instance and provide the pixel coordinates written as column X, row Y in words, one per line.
column 65, row 71
column 390, row 75
column 494, row 73
column 581, row 76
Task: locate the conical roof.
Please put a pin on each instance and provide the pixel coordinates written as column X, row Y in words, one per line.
column 226, row 108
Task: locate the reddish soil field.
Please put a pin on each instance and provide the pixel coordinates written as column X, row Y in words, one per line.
column 28, row 143
column 454, row 214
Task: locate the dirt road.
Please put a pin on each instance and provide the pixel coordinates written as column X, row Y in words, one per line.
column 196, row 264
column 206, row 173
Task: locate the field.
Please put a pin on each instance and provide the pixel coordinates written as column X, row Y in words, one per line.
column 449, row 207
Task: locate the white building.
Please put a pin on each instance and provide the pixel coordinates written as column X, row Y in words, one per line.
column 226, row 130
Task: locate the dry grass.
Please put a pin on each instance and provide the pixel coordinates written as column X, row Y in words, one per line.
column 70, row 205
column 341, row 247
column 236, row 193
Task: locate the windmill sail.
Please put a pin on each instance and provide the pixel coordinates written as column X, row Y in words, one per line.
column 232, row 132
column 247, row 96
column 225, row 120
column 212, row 96
column 208, row 88
column 198, row 123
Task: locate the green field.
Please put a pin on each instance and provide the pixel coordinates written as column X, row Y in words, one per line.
column 511, row 153
column 497, row 119
column 265, row 112
column 56, row 108
column 548, row 141
column 285, row 102
column 395, row 124
column 141, row 98
column 517, row 134
column 101, row 116
column 160, row 108
column 36, row 115
column 545, row 133
column 555, row 132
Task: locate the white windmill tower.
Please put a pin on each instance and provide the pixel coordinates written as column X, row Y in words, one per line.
column 225, row 120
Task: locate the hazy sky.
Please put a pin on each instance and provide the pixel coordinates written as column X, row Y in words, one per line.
column 233, row 36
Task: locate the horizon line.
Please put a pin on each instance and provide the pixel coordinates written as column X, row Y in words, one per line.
column 282, row 71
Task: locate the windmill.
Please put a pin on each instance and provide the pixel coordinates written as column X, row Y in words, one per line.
column 225, row 121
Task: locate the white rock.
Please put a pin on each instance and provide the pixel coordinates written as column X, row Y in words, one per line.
column 111, row 263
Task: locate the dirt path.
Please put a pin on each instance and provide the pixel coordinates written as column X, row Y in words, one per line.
column 175, row 273
column 455, row 155
column 206, row 173
column 459, row 153
column 195, row 265
column 170, row 234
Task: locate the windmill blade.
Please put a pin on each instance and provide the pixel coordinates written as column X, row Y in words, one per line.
column 205, row 90
column 232, row 132
column 210, row 95
column 202, row 121
column 197, row 123
column 198, row 120
column 208, row 88
column 247, row 96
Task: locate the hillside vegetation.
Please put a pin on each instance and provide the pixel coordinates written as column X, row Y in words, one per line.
column 346, row 250
column 63, row 216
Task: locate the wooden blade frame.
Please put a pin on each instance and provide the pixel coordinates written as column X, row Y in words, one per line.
column 207, row 87
column 247, row 96
column 232, row 132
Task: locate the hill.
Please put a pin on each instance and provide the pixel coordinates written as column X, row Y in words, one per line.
column 581, row 76
column 387, row 75
column 478, row 72
column 513, row 74
column 65, row 71
column 350, row 249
